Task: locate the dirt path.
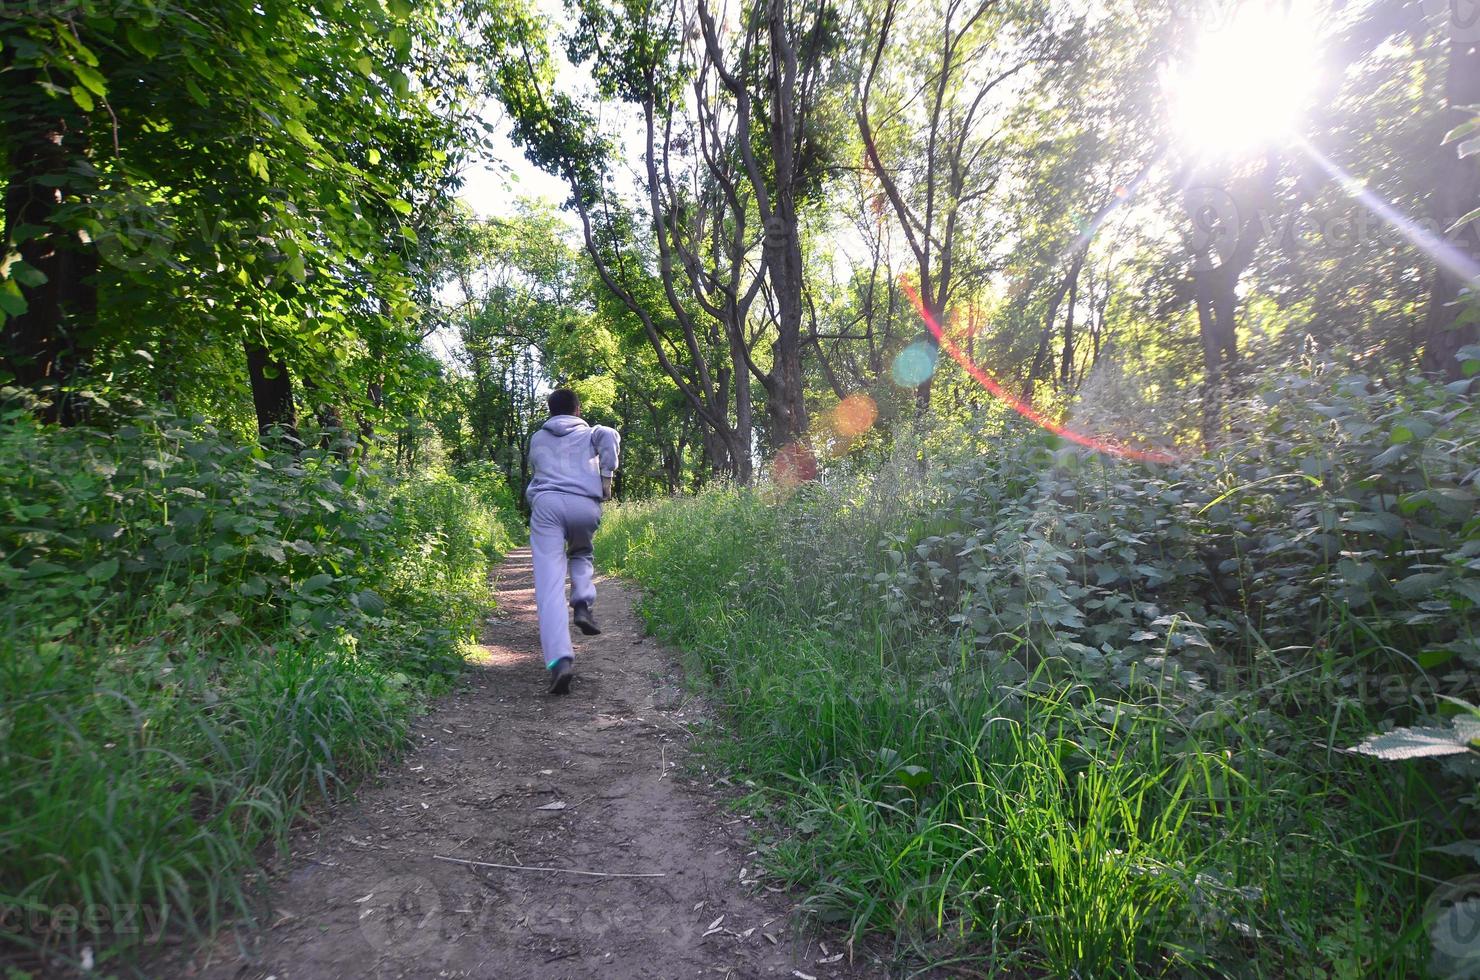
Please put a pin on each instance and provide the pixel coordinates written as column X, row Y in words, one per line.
column 503, row 773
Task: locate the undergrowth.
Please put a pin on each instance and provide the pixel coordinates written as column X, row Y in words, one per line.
column 1052, row 711
column 198, row 641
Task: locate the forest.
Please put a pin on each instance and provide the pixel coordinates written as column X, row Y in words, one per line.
column 1048, row 430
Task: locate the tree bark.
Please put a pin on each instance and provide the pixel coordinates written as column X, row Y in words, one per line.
column 272, row 396
column 45, row 346
column 1066, row 367
column 775, row 196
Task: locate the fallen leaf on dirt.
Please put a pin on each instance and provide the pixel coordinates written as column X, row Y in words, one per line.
column 362, row 901
column 830, row 959
column 715, row 924
column 557, row 805
column 802, row 976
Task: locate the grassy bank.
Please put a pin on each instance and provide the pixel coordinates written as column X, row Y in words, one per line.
column 1058, row 712
column 198, row 642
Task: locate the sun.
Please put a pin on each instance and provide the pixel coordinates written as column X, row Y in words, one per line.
column 1247, row 82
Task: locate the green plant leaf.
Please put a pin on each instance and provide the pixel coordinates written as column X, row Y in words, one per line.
column 91, row 79
column 914, row 778
column 103, row 570
column 12, row 303
column 1419, row 743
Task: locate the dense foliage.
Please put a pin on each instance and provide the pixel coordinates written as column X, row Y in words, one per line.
column 1047, row 709
column 200, row 639
column 266, row 386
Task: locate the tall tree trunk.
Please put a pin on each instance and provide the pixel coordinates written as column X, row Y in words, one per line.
column 1066, row 367
column 45, row 346
column 744, row 410
column 272, row 395
column 787, row 405
column 1456, row 193
column 1228, row 226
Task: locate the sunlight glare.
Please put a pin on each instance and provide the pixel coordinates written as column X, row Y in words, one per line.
column 1247, row 82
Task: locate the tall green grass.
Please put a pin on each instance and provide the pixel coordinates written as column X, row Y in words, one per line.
column 198, row 643
column 986, row 806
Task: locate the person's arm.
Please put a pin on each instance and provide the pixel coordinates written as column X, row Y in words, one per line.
column 608, row 446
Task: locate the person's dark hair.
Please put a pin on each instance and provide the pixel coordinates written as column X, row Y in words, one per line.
column 563, row 401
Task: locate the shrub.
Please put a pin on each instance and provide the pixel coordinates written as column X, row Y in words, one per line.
column 200, row 640
column 1088, row 716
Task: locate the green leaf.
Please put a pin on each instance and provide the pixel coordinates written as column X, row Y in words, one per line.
column 400, row 42
column 83, row 98
column 399, row 206
column 144, row 41
column 27, row 275
column 317, row 582
column 1357, row 573
column 1420, row 584
column 12, row 303
column 1419, row 743
column 257, row 164
column 915, row 778
column 369, row 601
column 103, row 570
column 400, row 84
column 1460, row 848
column 299, row 132
column 400, row 9
column 1461, row 131
column 91, row 78
column 1464, row 219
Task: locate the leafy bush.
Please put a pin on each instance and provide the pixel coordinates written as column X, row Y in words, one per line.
column 199, row 640
column 1056, row 709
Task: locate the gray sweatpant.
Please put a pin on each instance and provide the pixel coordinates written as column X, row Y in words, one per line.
column 561, row 526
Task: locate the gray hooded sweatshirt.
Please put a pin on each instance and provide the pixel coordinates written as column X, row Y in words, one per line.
column 568, row 456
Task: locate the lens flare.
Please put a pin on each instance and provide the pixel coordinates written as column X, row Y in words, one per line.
column 1016, row 404
column 794, row 465
column 915, row 365
column 1443, row 252
column 842, row 426
column 854, row 415
column 1222, row 106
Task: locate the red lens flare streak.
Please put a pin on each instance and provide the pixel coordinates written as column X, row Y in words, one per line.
column 1017, row 404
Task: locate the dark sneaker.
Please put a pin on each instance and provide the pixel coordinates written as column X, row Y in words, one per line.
column 584, row 620
column 561, row 675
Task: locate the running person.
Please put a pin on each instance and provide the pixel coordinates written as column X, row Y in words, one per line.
column 571, row 466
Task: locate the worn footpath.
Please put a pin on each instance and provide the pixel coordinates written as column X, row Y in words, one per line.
column 433, row 869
